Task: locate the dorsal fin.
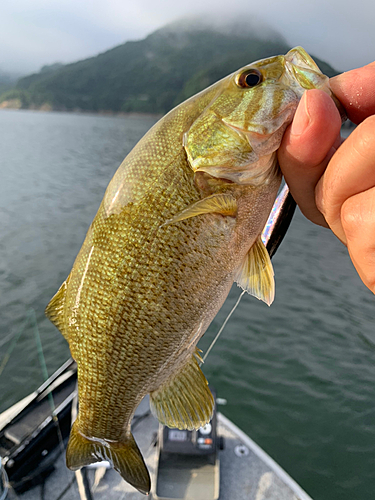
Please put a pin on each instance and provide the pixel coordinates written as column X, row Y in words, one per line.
column 55, row 309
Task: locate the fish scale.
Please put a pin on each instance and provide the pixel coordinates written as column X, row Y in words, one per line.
column 180, row 221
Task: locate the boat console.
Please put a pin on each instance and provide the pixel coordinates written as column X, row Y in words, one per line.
column 188, row 465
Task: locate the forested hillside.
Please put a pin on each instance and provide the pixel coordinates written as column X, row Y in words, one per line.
column 150, row 75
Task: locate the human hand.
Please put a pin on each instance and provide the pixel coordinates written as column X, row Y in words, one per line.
column 333, row 182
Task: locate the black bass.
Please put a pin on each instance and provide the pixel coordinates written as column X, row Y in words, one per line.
column 180, row 221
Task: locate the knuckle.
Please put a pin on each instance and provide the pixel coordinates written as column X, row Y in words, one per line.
column 357, row 217
column 350, row 218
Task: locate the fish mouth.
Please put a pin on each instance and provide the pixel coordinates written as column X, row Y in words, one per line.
column 302, row 68
column 299, row 57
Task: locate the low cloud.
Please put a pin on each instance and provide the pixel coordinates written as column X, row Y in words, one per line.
column 38, row 32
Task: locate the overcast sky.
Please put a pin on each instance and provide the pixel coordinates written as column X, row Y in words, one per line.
column 38, row 32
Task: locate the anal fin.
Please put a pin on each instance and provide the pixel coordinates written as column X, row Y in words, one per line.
column 256, row 273
column 224, row 204
column 184, row 401
column 124, row 455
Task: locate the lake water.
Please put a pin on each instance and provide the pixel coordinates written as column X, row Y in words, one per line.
column 298, row 377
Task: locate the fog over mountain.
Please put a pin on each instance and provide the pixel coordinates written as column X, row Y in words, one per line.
column 38, row 32
column 150, row 75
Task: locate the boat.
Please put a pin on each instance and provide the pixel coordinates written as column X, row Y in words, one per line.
column 218, row 461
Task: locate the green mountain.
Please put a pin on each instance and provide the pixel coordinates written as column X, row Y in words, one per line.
column 7, row 80
column 151, row 75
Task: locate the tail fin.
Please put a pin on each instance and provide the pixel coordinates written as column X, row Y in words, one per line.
column 124, row 456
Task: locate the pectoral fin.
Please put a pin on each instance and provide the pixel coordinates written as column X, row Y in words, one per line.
column 256, row 273
column 184, row 401
column 224, row 204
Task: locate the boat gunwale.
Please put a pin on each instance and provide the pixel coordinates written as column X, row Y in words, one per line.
column 264, row 457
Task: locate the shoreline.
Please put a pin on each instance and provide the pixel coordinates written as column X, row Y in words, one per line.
column 78, row 111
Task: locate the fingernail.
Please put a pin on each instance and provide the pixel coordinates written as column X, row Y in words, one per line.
column 301, row 119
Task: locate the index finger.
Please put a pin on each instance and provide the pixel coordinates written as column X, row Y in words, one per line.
column 356, row 91
column 351, row 171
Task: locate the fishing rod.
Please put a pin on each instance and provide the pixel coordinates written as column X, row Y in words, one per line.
column 273, row 234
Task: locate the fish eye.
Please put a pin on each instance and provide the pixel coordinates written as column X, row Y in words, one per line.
column 249, row 78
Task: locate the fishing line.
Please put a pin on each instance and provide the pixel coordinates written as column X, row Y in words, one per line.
column 272, row 235
column 5, row 486
column 3, row 483
column 67, row 488
column 5, row 340
column 42, row 361
column 223, row 326
column 6, row 358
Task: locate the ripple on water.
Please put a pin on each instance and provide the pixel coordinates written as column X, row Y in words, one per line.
column 298, row 376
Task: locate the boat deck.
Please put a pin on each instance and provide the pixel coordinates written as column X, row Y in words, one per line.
column 246, row 471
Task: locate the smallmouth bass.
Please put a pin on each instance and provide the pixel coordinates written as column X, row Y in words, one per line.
column 179, row 223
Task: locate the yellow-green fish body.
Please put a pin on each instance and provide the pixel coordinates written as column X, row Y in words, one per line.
column 179, row 222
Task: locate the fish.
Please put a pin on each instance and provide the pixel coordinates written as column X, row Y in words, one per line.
column 180, row 221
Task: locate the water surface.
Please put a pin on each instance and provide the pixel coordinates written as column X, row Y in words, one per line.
column 298, row 377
